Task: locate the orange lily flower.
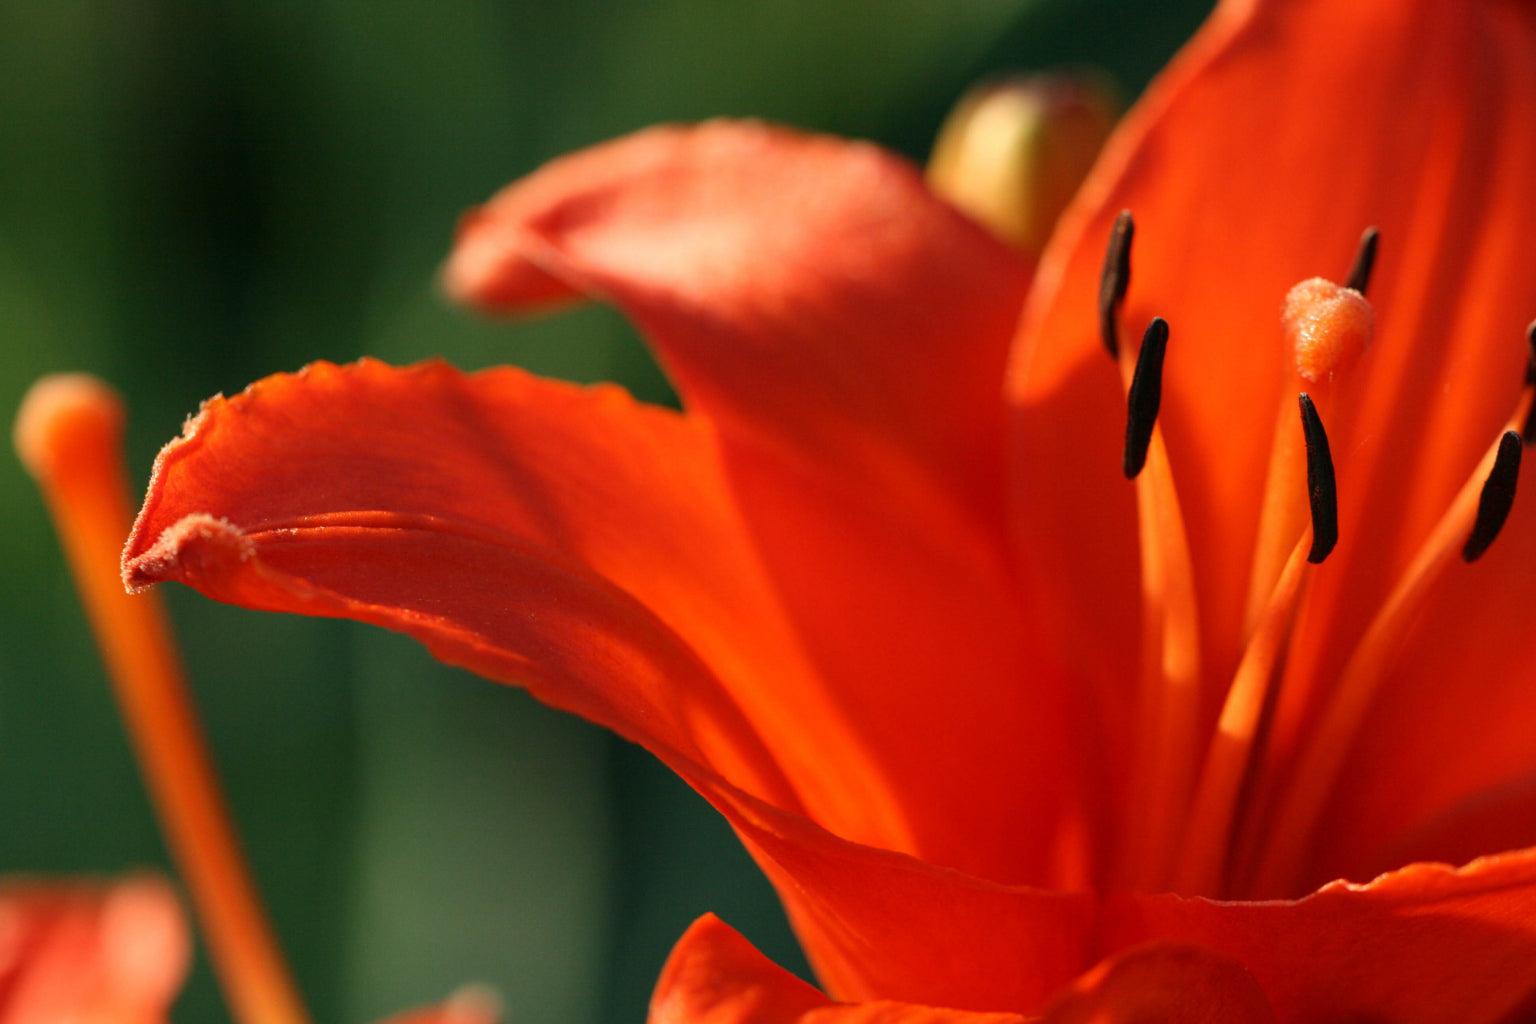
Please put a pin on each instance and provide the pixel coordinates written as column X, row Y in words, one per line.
column 1010, row 735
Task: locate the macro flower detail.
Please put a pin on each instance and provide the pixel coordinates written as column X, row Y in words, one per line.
column 1011, row 735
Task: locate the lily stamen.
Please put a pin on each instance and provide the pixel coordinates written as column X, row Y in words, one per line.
column 69, row 435
column 1168, row 737
column 1312, row 778
column 1359, row 276
column 1496, row 499
column 1227, row 774
column 1115, row 280
column 1322, row 489
column 1327, row 328
column 1145, row 397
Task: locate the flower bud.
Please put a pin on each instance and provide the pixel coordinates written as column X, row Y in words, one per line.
column 1013, row 151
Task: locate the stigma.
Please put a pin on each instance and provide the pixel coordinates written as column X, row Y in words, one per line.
column 1329, row 327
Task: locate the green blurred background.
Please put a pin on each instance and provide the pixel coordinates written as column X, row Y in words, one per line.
column 196, row 193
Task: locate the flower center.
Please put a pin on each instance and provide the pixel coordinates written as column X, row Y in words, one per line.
column 1218, row 808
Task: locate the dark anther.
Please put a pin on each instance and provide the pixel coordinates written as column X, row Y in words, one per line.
column 1145, row 397
column 1530, row 363
column 1497, row 497
column 1322, row 491
column 1114, row 280
column 1365, row 258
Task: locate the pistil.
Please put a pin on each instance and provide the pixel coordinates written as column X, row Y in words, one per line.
column 1327, row 328
column 69, row 435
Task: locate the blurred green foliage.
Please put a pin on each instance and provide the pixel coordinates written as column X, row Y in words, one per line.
column 195, row 193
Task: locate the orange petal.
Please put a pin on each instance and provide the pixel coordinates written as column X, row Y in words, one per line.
column 1167, row 983
column 565, row 539
column 590, row 548
column 1252, row 164
column 883, row 926
column 714, row 976
column 804, row 291
column 1450, row 735
column 1426, row 943
column 92, row 954
column 845, row 333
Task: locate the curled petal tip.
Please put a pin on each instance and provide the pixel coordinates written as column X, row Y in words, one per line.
column 196, row 547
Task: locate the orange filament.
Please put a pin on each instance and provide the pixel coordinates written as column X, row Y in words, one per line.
column 1350, row 698
column 1247, row 819
column 69, row 435
column 1169, row 713
column 1229, row 760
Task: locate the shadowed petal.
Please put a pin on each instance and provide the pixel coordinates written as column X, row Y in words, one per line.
column 1167, row 983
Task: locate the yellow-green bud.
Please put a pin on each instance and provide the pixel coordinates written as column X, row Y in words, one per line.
column 1013, row 151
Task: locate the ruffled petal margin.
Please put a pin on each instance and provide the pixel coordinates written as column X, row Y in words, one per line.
column 1427, row 943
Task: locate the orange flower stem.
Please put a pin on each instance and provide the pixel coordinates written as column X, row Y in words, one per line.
column 69, row 435
column 1318, row 765
column 1229, row 760
column 1169, row 714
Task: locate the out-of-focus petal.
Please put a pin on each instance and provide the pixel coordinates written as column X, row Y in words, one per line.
column 845, row 332
column 1423, row 944
column 470, row 1005
column 78, row 953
